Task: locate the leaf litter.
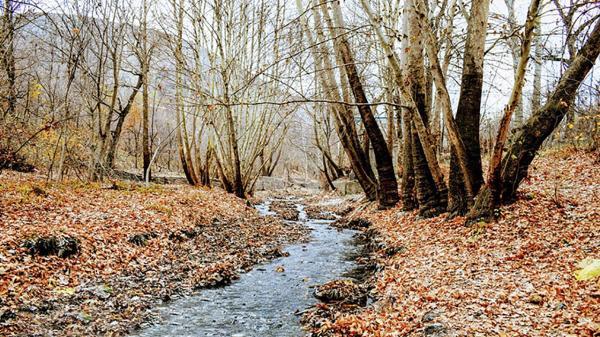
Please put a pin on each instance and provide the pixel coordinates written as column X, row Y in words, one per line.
column 137, row 246
column 513, row 277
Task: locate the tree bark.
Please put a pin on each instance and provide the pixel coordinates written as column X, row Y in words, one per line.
column 430, row 195
column 536, row 97
column 146, row 151
column 469, row 111
column 8, row 57
column 409, row 201
column 495, row 169
column 527, row 141
column 529, row 138
column 238, row 184
column 116, row 134
column 445, row 104
column 342, row 115
column 388, row 186
column 418, row 118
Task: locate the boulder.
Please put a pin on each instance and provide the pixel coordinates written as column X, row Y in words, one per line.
column 346, row 186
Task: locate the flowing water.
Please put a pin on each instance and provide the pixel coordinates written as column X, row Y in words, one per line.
column 263, row 302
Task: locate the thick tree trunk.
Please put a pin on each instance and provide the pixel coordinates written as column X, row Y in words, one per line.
column 388, row 186
column 468, row 113
column 496, row 157
column 431, row 195
column 445, row 104
column 343, row 116
column 405, row 85
column 529, row 138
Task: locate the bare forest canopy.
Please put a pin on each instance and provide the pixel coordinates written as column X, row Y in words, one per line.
column 440, row 104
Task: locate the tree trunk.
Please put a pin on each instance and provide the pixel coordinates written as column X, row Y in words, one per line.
column 431, row 196
column 468, row 113
column 388, row 186
column 445, row 104
column 513, row 45
column 409, row 201
column 496, row 157
column 8, row 57
column 419, row 118
column 146, row 151
column 529, row 138
column 536, row 97
column 343, row 117
column 116, row 136
column 527, row 141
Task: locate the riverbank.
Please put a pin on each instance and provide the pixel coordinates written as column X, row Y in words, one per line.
column 91, row 259
column 514, row 277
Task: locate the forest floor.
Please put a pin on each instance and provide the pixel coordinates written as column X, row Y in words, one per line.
column 513, row 277
column 91, row 259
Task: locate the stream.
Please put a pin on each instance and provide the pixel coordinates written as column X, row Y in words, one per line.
column 263, row 302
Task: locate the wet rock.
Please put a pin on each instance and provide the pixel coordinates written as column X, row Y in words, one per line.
column 345, row 291
column 141, row 239
column 289, row 214
column 435, row 330
column 286, row 209
column 61, row 246
column 42, row 307
column 275, row 253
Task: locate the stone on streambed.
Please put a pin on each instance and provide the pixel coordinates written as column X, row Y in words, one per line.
column 341, row 291
column 62, row 246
